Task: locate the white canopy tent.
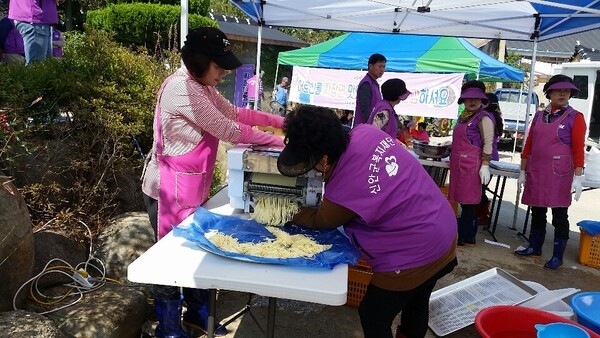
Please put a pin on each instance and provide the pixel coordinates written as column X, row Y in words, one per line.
column 532, row 20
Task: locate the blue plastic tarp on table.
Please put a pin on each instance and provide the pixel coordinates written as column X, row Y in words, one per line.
column 245, row 230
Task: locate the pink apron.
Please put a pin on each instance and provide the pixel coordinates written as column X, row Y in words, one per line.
column 184, row 179
column 465, row 161
column 549, row 167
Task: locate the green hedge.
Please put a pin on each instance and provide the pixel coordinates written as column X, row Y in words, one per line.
column 143, row 24
column 199, row 7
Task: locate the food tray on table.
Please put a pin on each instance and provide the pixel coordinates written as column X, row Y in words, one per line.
column 455, row 306
column 506, row 166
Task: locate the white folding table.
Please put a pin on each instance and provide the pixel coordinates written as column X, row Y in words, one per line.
column 176, row 261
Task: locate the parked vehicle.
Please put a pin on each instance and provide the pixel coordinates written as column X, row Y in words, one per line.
column 585, row 74
column 513, row 104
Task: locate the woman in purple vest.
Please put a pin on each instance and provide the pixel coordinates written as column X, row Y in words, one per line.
column 384, row 116
column 551, row 167
column 472, row 146
column 368, row 92
column 389, row 206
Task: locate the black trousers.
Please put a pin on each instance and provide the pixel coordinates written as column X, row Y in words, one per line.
column 560, row 220
column 379, row 307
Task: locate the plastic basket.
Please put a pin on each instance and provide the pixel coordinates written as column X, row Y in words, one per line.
column 589, row 249
column 359, row 276
column 454, row 205
column 504, row 321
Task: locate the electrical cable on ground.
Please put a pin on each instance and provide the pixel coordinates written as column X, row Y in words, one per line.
column 81, row 278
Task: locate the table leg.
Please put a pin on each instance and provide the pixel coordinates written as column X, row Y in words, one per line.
column 271, row 317
column 212, row 309
column 495, row 209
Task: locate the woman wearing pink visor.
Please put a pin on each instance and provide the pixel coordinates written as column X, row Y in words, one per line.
column 472, row 144
column 551, row 167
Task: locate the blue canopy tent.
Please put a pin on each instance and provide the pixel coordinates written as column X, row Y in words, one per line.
column 404, row 53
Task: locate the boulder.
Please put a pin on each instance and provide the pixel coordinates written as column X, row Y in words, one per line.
column 16, row 246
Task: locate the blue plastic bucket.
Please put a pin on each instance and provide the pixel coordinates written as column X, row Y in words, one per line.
column 586, row 306
column 560, row 330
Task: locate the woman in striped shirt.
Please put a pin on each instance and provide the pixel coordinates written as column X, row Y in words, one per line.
column 191, row 117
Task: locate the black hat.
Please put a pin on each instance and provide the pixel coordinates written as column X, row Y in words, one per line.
column 394, row 89
column 212, row 42
column 292, row 163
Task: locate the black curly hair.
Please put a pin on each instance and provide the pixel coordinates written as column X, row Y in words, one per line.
column 494, row 108
column 313, row 132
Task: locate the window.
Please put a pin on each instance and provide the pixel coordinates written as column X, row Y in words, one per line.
column 581, row 81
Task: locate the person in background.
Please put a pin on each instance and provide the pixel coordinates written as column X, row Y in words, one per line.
column 34, row 20
column 420, row 133
column 368, row 93
column 366, row 168
column 472, row 147
column 58, row 42
column 280, row 97
column 346, row 120
column 404, row 134
column 384, row 116
column 552, row 166
column 483, row 209
column 250, row 92
column 11, row 42
column 191, row 117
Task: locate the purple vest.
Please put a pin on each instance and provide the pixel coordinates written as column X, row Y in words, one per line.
column 375, row 97
column 391, row 128
column 465, row 160
column 404, row 221
column 549, row 167
column 33, row 11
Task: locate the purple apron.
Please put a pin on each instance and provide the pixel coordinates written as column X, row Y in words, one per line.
column 465, row 161
column 184, row 179
column 549, row 167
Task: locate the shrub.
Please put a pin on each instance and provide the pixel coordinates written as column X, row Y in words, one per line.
column 143, row 24
column 78, row 115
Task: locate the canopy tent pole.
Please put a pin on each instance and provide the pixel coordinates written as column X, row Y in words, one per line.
column 258, row 51
column 517, row 123
column 530, row 90
column 183, row 23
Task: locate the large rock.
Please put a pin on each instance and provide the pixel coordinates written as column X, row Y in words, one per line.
column 16, row 244
column 113, row 311
column 23, row 324
column 122, row 241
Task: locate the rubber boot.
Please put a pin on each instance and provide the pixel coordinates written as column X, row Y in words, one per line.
column 560, row 244
column 483, row 213
column 196, row 315
column 536, row 241
column 472, row 233
column 463, row 231
column 168, row 313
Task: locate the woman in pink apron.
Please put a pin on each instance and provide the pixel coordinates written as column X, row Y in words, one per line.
column 551, row 167
column 191, row 117
column 472, row 144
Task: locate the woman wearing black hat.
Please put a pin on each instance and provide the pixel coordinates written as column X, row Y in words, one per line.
column 551, row 167
column 383, row 115
column 472, row 147
column 191, row 118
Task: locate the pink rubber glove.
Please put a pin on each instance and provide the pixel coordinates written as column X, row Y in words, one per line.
column 258, row 118
column 251, row 136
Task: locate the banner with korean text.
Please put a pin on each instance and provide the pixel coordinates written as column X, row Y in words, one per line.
column 432, row 95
